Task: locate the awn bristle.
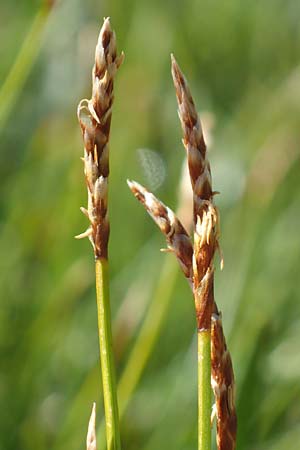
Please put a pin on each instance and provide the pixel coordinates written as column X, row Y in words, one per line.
column 94, row 116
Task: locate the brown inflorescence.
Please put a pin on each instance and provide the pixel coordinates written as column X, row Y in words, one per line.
column 205, row 213
column 94, row 116
column 197, row 260
column 206, row 242
column 193, row 141
column 179, row 242
column 177, row 238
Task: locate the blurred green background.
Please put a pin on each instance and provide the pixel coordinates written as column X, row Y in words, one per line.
column 242, row 62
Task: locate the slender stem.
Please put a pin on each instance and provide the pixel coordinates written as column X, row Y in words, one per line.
column 106, row 356
column 204, row 390
column 147, row 338
column 156, row 315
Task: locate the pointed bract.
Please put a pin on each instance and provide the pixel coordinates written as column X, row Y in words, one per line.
column 91, row 443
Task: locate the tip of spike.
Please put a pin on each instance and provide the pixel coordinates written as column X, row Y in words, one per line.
column 174, row 63
column 106, row 40
column 93, row 414
column 106, row 23
column 178, row 77
column 129, row 182
column 136, row 188
column 132, row 186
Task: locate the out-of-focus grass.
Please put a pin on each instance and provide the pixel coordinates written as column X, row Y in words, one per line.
column 241, row 59
column 17, row 76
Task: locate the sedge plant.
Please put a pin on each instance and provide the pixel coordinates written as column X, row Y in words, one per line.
column 206, row 242
column 196, row 261
column 94, row 116
column 196, row 256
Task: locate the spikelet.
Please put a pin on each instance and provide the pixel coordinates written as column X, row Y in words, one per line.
column 91, row 443
column 203, row 269
column 94, row 117
column 206, row 242
column 204, row 211
column 193, row 141
column 177, row 238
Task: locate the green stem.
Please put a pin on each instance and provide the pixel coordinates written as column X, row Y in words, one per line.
column 106, row 356
column 157, row 310
column 204, row 390
column 147, row 337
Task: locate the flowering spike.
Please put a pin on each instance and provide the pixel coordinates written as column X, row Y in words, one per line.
column 206, row 242
column 94, row 117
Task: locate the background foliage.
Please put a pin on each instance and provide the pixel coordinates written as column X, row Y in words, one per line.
column 242, row 62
